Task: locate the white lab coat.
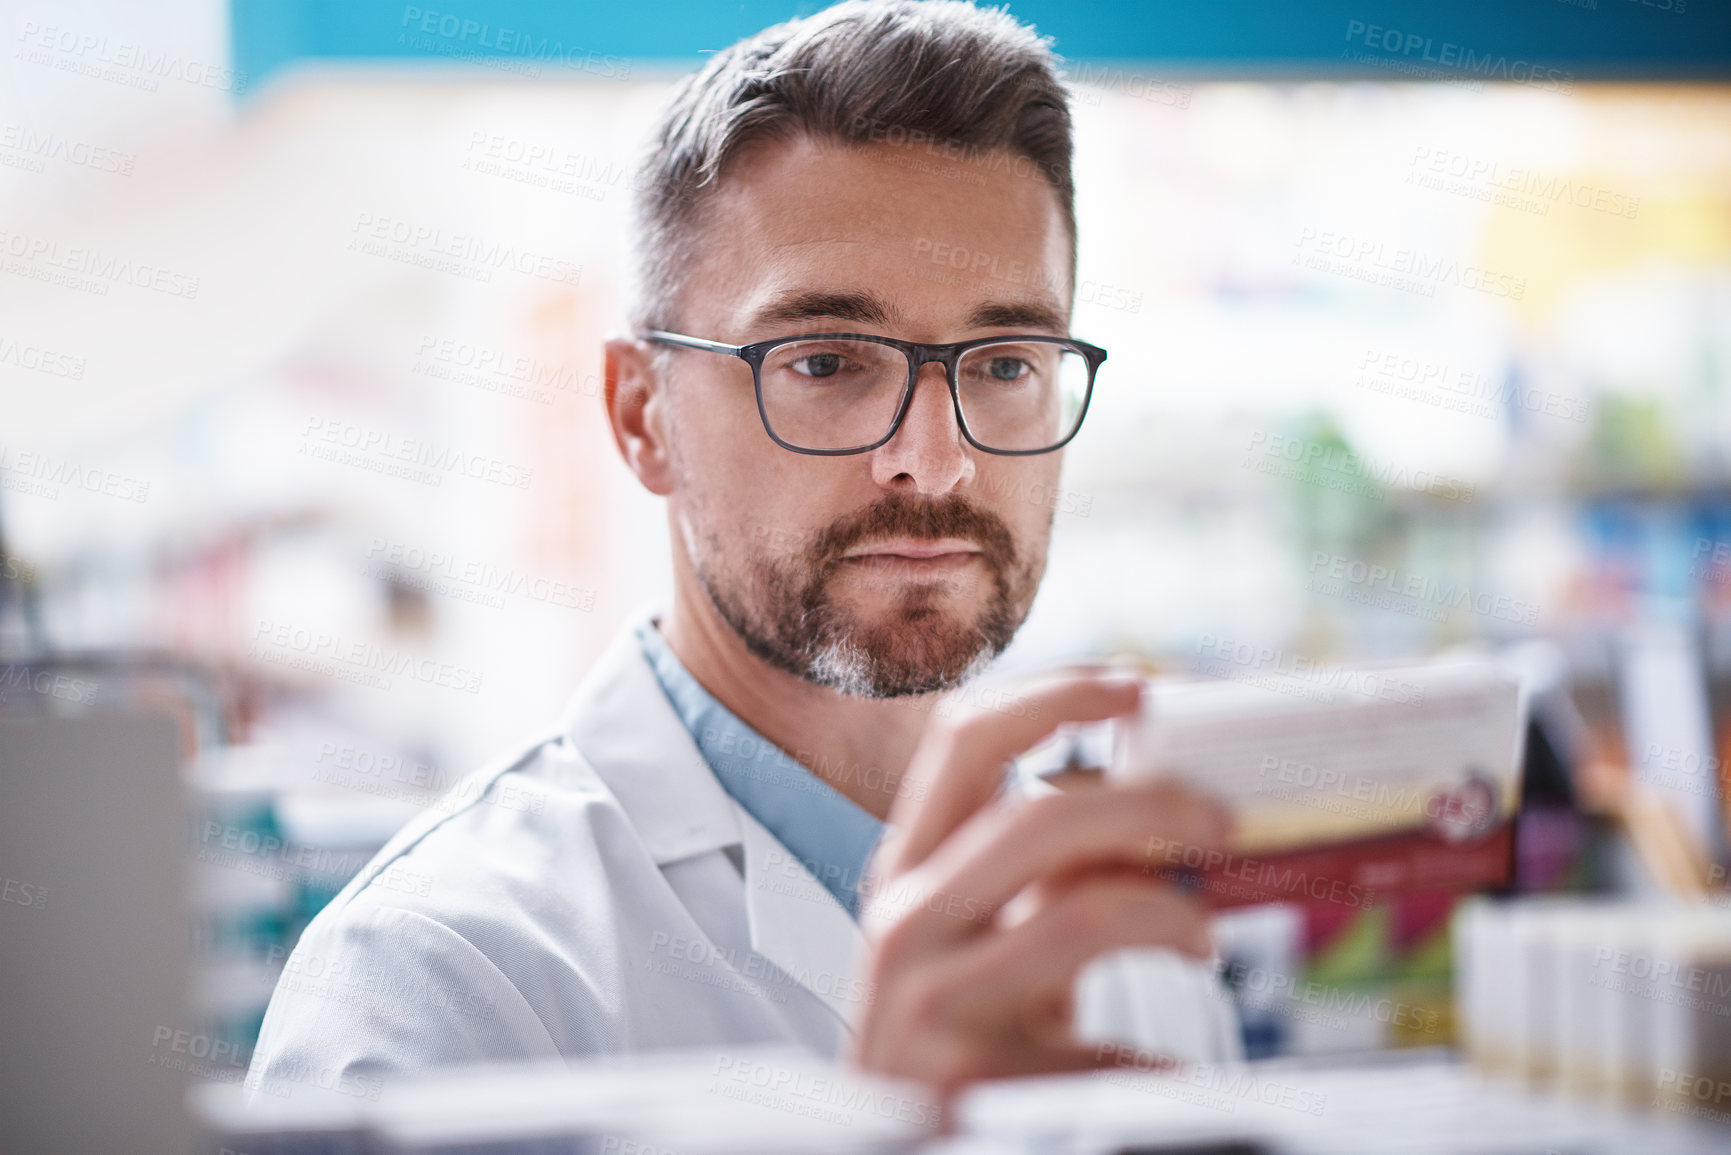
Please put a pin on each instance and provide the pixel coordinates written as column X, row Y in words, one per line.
column 600, row 893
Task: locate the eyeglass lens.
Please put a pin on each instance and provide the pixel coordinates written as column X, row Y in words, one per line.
column 838, row 394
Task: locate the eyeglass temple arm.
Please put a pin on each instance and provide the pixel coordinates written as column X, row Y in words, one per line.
column 667, row 338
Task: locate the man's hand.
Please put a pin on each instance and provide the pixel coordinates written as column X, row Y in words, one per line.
column 965, row 988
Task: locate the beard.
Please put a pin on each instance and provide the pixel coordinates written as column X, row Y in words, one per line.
column 788, row 612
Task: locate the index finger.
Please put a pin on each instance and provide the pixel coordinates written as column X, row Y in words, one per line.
column 958, row 766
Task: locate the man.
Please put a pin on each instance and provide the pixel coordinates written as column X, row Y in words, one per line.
column 698, row 854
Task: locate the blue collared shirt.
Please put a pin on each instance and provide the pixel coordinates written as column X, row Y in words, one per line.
column 829, row 832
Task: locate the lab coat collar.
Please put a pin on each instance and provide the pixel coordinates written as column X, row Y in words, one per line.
column 621, row 722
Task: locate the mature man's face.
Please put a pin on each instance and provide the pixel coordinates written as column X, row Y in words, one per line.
column 905, row 569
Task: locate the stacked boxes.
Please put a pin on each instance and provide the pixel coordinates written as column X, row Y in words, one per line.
column 1604, row 1001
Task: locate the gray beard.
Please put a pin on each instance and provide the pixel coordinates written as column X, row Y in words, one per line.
column 786, row 612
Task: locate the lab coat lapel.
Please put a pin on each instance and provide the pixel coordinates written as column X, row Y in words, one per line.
column 624, row 726
column 799, row 926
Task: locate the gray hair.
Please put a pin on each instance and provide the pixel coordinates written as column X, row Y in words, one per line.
column 958, row 79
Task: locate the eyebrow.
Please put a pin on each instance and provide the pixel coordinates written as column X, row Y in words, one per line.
column 798, row 306
column 795, row 306
column 1020, row 315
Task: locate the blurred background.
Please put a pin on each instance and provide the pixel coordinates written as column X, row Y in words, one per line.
column 1420, row 333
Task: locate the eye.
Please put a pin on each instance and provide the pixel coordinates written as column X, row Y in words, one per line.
column 1008, row 369
column 818, row 364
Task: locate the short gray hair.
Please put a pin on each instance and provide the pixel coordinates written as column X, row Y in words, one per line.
column 943, row 73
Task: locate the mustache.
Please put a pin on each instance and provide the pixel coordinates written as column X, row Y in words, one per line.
column 921, row 518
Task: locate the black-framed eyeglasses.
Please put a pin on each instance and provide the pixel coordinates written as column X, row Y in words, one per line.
column 839, row 393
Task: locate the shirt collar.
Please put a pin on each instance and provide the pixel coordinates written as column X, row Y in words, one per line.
column 828, row 832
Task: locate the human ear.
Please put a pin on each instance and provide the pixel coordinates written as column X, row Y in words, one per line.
column 636, row 412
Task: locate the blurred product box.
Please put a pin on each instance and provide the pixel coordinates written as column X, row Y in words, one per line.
column 1348, row 785
column 1605, row 1001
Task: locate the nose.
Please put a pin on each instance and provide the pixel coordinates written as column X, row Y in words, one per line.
column 928, row 452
